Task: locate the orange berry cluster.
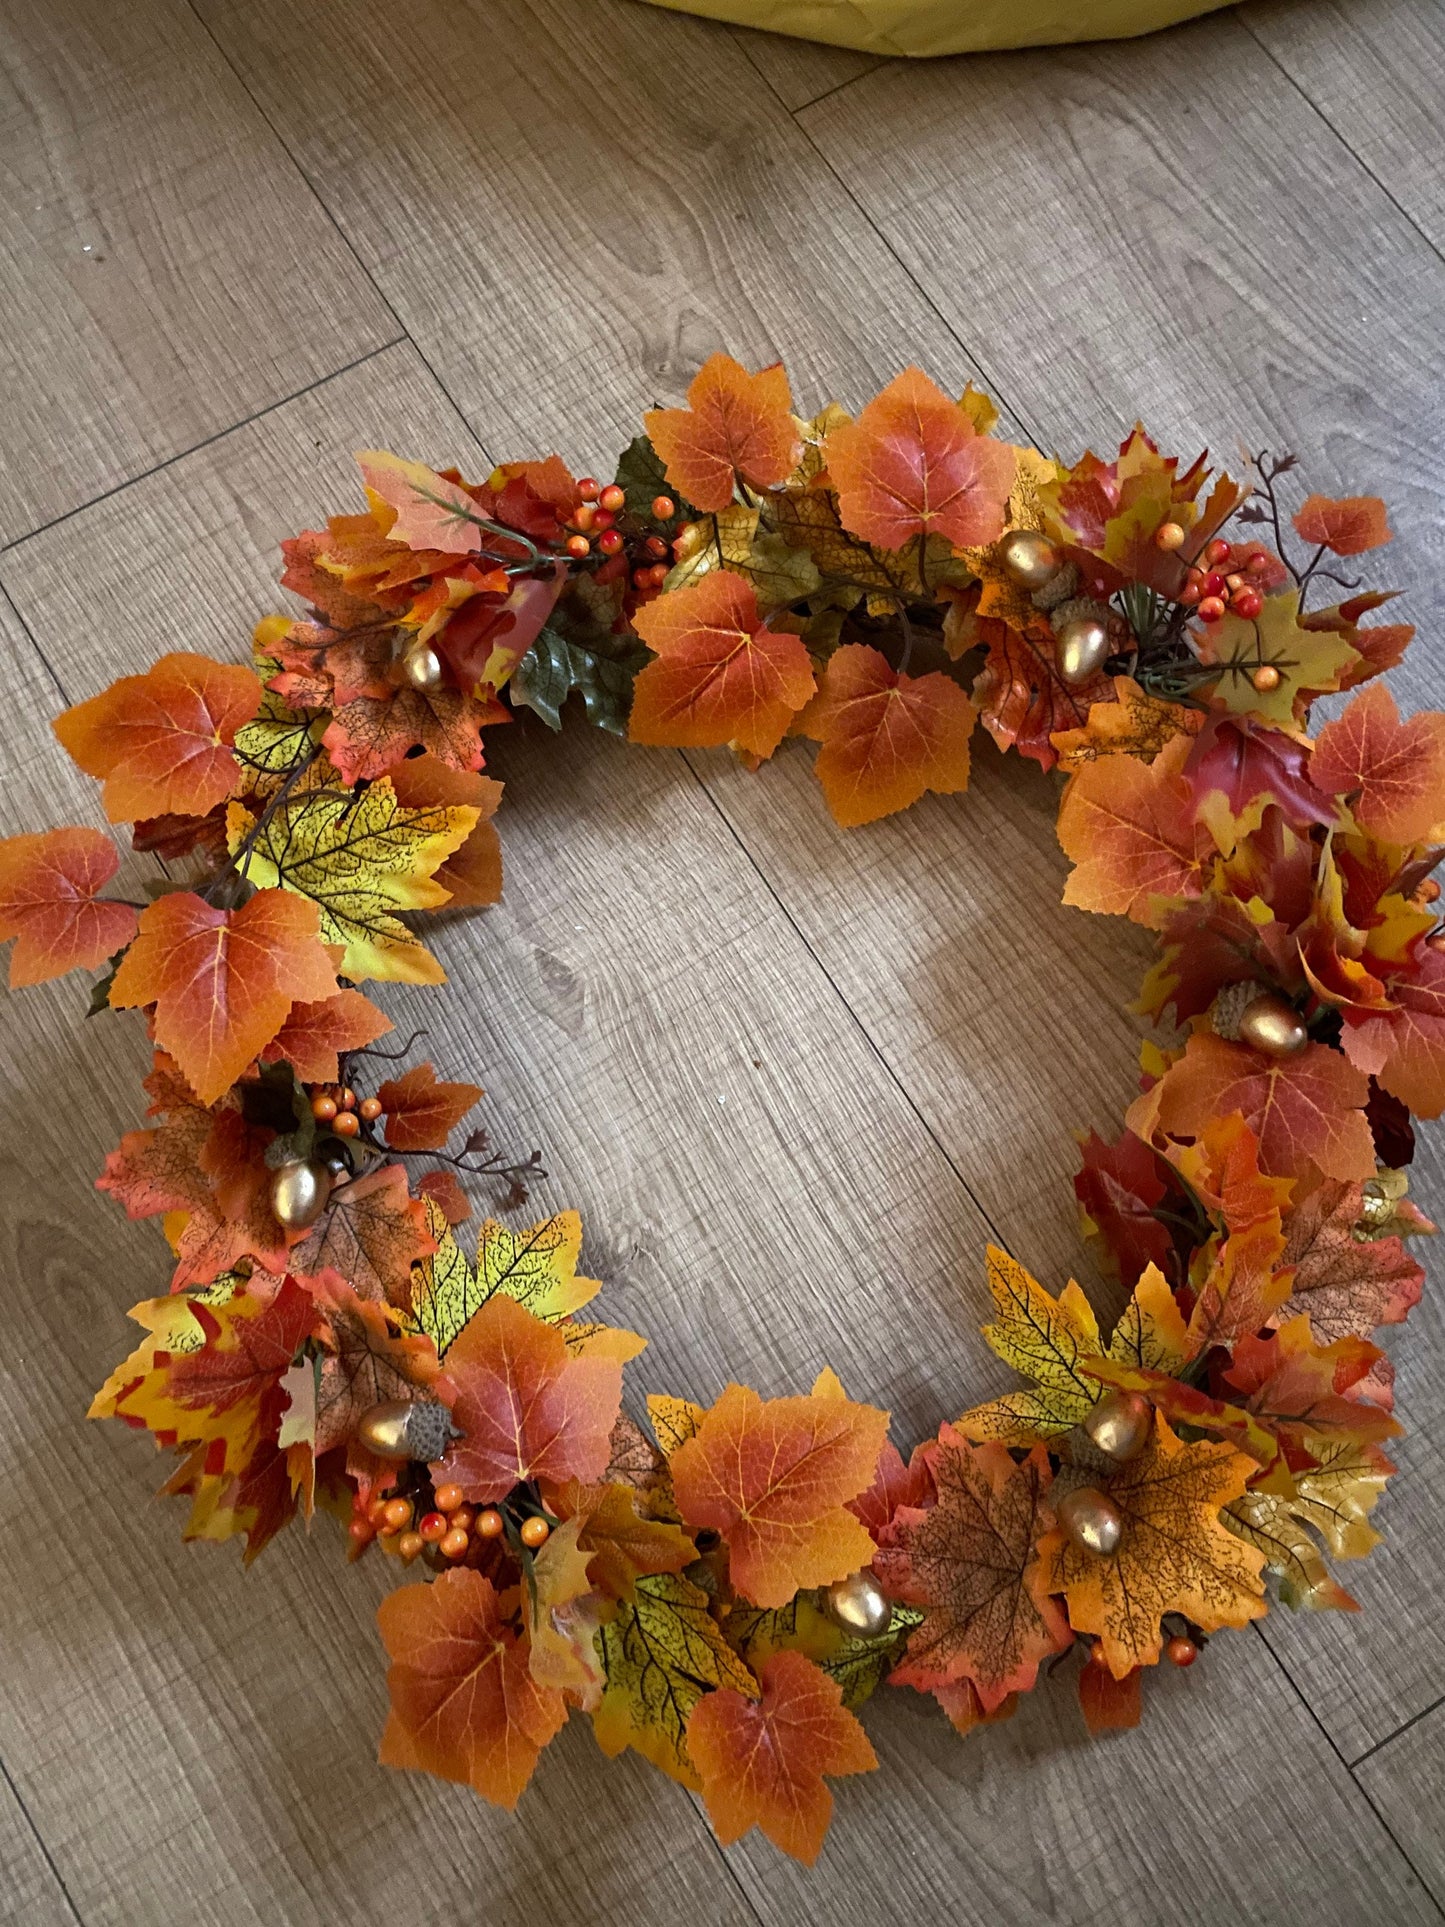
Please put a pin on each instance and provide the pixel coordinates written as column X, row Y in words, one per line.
column 1208, row 592
column 336, row 1105
column 448, row 1525
column 594, row 520
column 1179, row 1651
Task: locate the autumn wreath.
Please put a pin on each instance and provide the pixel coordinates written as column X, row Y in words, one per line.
column 723, row 1594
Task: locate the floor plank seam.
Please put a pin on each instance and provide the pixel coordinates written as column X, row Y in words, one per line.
column 44, row 1850
column 852, row 1014
column 207, row 441
column 322, row 203
column 1323, row 117
column 744, row 36
column 1404, row 1727
column 1435, row 1899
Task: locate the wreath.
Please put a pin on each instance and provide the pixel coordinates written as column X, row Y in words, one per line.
column 722, row 1592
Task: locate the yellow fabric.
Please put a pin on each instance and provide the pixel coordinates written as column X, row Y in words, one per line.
column 922, row 27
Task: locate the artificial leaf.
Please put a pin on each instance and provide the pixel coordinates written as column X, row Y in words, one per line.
column 432, row 513
column 50, row 902
column 1044, row 1338
column 1268, row 1522
column 359, row 860
column 1118, row 1188
column 1339, row 1491
column 372, row 1232
column 472, row 874
column 527, row 1409
column 1241, row 1284
column 913, row 464
column 1346, row 1285
column 1347, row 526
column 1110, row 1705
column 222, row 981
column 1175, row 1554
column 370, row 1360
column 620, row 1542
column 735, row 426
column 886, row 737
column 536, row 1266
column 162, row 741
column 674, row 1420
column 563, row 1618
column 661, row 1652
column 1408, row 1044
column 895, row 1483
column 774, row 1477
column 1151, row 1331
column 1303, row 1392
column 1132, row 723
column 373, row 734
column 1130, row 828
column 1309, row 661
column 442, row 1189
column 1306, row 1112
column 1238, row 770
column 277, row 741
column 1393, row 771
column 970, row 1560
column 315, row 1034
column 464, row 1704
column 1023, row 701
column 720, row 674
column 422, row 1112
column 762, row 1761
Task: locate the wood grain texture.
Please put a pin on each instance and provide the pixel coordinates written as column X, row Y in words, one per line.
column 1375, row 70
column 163, row 270
column 1406, row 1781
column 800, row 71
column 30, row 1894
column 587, row 242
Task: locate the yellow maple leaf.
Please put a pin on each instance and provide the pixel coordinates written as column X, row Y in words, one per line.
column 536, row 1266
column 674, row 1420
column 1309, row 661
column 733, row 539
column 660, row 1653
column 1134, row 724
column 360, row 860
column 1175, row 1554
column 1047, row 1339
column 1270, row 1523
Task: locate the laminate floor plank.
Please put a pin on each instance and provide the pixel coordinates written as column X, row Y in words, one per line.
column 164, row 270
column 802, row 71
column 1375, row 69
column 1406, row 1781
column 592, row 230
column 30, row 1894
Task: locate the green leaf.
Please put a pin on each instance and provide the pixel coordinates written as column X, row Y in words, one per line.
column 641, row 477
column 553, row 667
column 100, row 989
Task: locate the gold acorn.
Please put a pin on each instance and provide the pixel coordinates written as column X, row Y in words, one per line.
column 1082, row 648
column 1273, row 1026
column 1029, row 557
column 1091, row 1520
column 858, row 1605
column 1120, row 1424
column 421, row 666
column 299, row 1190
column 406, row 1429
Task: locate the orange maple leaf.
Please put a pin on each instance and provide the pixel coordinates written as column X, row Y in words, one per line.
column 774, row 1477
column 720, row 675
column 1345, row 1285
column 971, row 1560
column 1307, row 1112
column 314, row 1033
column 1131, row 829
column 914, row 464
column 762, row 1762
column 223, row 981
column 421, row 1112
column 886, row 737
column 1393, row 771
column 1408, row 1044
column 1348, row 526
column 162, row 741
column 735, row 425
column 527, row 1407
column 372, row 1232
column 471, row 875
column 50, row 903
column 1175, row 1554
column 464, row 1704
column 431, row 512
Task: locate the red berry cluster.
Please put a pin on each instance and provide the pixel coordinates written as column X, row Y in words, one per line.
column 336, row 1105
column 1208, row 592
column 599, row 520
column 403, row 1527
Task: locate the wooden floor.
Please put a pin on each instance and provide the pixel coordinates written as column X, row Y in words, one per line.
column 793, row 1077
